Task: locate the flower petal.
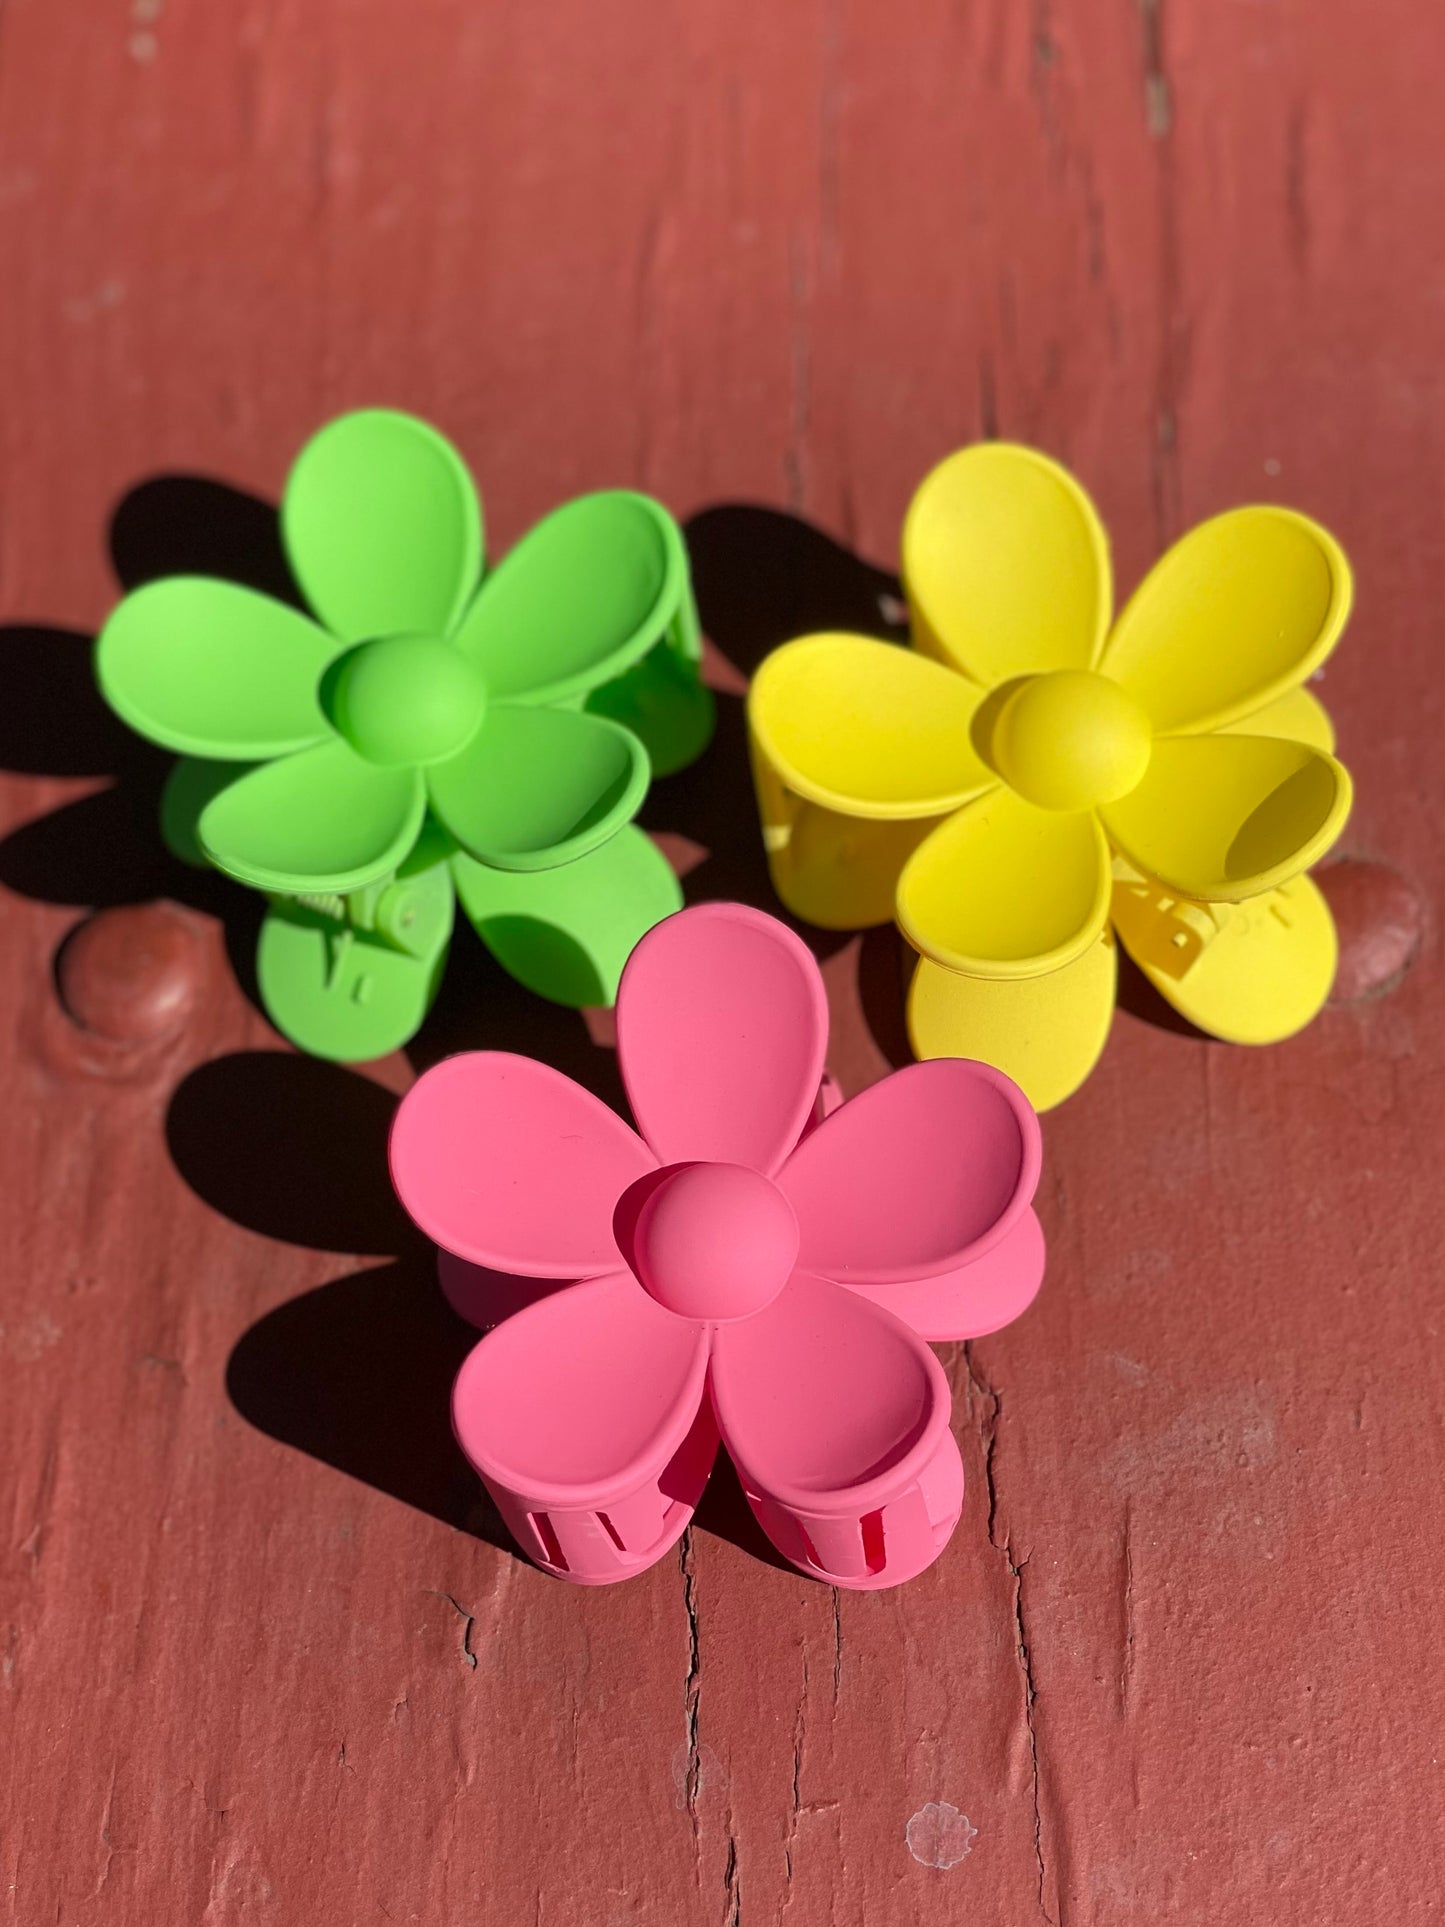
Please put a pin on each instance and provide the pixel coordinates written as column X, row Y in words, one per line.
column 1296, row 715
column 867, row 728
column 1004, row 889
column 1225, row 817
column 566, row 933
column 1006, row 565
column 539, row 787
column 837, row 1418
column 1239, row 610
column 918, row 1174
column 666, row 705
column 509, row 1164
column 211, row 669
column 382, row 526
column 581, row 598
column 319, row 820
column 722, row 1027
column 1046, row 1033
column 1252, row 973
column 838, row 872
column 193, row 782
column 586, row 1414
column 980, row 1297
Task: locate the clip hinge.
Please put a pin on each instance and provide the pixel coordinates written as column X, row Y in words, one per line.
column 1164, row 930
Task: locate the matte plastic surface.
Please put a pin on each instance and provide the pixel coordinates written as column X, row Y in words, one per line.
column 357, row 982
column 749, row 1271
column 786, row 255
column 1047, row 1033
column 566, row 933
column 991, row 785
column 517, row 718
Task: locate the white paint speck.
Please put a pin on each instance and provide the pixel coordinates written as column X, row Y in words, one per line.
column 86, row 307
column 32, row 1337
column 143, row 48
column 1271, row 465
column 709, row 1773
column 1129, row 1369
column 939, row 1835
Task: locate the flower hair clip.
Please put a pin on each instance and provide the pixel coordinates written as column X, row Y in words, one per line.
column 749, row 1269
column 418, row 738
column 1024, row 775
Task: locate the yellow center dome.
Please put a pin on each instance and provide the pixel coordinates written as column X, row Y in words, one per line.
column 1071, row 739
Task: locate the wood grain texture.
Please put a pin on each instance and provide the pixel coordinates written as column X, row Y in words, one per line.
column 261, row 1657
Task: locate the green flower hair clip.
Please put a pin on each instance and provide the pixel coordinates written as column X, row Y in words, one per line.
column 423, row 738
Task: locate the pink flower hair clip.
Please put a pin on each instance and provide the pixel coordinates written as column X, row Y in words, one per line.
column 750, row 1269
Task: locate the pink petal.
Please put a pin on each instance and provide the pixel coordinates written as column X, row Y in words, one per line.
column 511, row 1165
column 722, row 1025
column 979, row 1297
column 484, row 1298
column 585, row 1415
column 837, row 1418
column 918, row 1174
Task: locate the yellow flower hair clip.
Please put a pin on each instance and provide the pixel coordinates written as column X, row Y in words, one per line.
column 1025, row 776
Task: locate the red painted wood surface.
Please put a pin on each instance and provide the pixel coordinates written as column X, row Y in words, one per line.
column 260, row 1658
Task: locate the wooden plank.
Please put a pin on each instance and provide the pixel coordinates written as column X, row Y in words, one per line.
column 263, row 1657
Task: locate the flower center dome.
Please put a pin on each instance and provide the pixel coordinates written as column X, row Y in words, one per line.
column 1071, row 739
column 714, row 1241
column 405, row 700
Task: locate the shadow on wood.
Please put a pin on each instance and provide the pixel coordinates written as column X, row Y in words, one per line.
column 762, row 577
column 293, row 1149
column 196, row 525
column 106, row 849
column 358, row 1372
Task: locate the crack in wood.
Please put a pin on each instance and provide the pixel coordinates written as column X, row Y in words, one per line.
column 1159, row 119
column 795, row 459
column 1026, row 1662
column 1126, row 1665
column 468, row 1620
column 799, row 1728
column 988, row 1418
column 691, row 1689
column 837, row 1647
column 732, row 1885
column 1158, row 100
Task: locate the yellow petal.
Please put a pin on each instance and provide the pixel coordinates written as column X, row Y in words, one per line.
column 866, row 727
column 1006, row 565
column 1296, row 715
column 1240, row 610
column 1225, row 817
column 1252, row 973
column 839, row 872
column 1003, row 889
column 1045, row 1033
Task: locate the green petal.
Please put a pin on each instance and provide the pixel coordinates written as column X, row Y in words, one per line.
column 191, row 785
column 580, row 599
column 320, row 820
column 538, row 787
column 211, row 669
column 665, row 704
column 382, row 526
column 566, row 933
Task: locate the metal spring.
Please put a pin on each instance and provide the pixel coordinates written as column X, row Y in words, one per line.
column 325, row 904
